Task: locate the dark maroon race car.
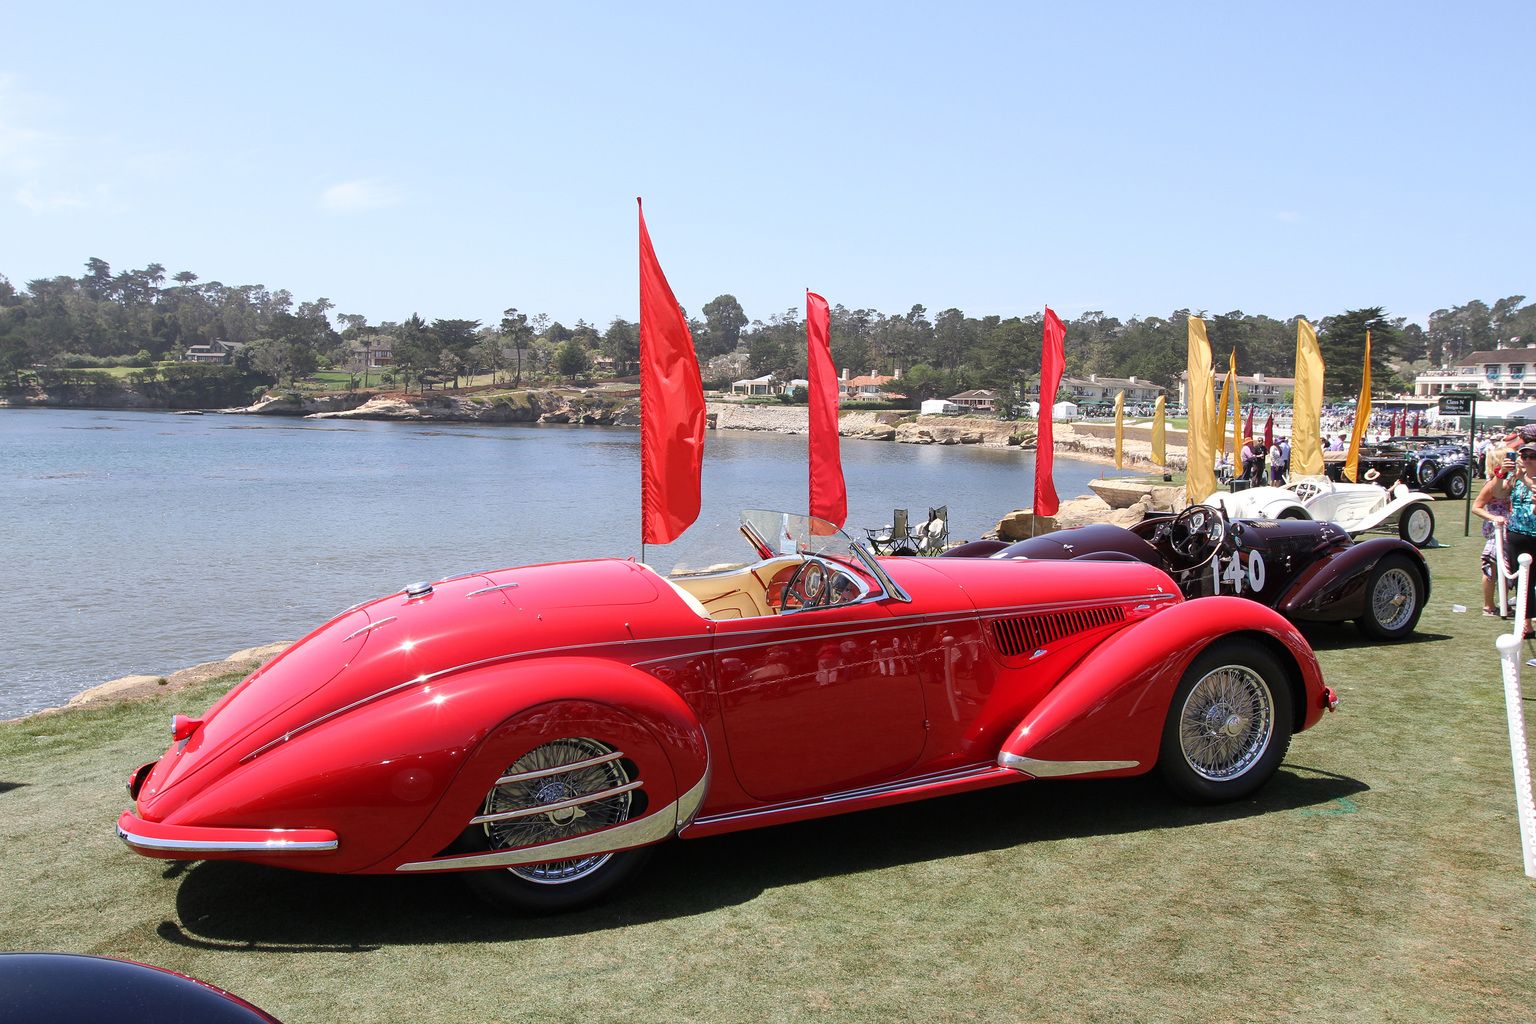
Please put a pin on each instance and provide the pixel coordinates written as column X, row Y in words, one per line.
column 1307, row 571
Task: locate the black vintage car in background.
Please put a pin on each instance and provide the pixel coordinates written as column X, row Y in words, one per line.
column 1307, row 571
column 1440, row 467
column 1424, row 464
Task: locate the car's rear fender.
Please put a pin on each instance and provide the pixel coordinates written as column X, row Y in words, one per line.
column 658, row 734
column 397, row 775
column 1106, row 716
column 1283, row 508
column 1334, row 588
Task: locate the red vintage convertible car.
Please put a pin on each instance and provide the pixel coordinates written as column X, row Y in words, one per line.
column 538, row 727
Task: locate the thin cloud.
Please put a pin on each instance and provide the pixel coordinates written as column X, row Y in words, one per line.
column 24, row 150
column 360, row 195
column 1287, row 216
column 38, row 202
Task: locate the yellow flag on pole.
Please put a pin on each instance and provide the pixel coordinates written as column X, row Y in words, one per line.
column 1200, row 473
column 1237, row 421
column 1362, row 417
column 1119, row 430
column 1160, row 435
column 1307, row 405
column 1220, row 439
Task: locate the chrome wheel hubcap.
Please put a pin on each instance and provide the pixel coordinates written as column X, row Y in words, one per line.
column 559, row 777
column 1392, row 601
column 1226, row 723
column 1418, row 526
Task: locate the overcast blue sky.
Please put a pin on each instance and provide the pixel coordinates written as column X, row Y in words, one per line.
column 1132, row 158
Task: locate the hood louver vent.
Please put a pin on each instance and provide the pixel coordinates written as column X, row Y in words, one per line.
column 1028, row 633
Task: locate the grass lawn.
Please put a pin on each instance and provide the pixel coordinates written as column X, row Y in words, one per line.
column 1378, row 878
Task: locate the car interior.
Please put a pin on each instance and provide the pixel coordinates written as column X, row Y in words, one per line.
column 774, row 586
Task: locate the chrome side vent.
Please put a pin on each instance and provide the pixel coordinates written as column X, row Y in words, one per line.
column 1027, row 634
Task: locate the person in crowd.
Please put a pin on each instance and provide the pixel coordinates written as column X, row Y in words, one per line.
column 1519, row 489
column 1492, row 506
column 1246, row 458
column 1499, row 449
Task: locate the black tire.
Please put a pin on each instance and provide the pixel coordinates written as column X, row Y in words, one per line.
column 507, row 892
column 1228, row 725
column 1456, row 485
column 1417, row 525
column 556, row 886
column 1394, row 599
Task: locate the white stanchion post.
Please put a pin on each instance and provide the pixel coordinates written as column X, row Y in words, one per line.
column 1501, row 572
column 1522, row 584
column 1525, row 805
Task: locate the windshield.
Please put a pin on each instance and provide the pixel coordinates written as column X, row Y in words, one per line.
column 784, row 533
column 773, row 534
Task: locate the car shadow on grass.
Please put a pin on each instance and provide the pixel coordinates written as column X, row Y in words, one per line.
column 1343, row 636
column 243, row 907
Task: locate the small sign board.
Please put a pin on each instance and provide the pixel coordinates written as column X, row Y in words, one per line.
column 1458, row 404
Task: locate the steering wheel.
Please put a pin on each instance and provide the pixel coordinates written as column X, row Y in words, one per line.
column 809, row 587
column 1196, row 534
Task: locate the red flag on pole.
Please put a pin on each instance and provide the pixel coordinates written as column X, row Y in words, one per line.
column 829, row 494
column 1053, row 361
column 1248, row 425
column 1269, row 430
column 1416, row 418
column 671, row 407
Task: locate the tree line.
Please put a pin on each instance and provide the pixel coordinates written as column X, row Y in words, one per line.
column 141, row 317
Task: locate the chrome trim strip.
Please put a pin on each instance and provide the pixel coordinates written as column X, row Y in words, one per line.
column 487, row 590
column 372, row 625
column 231, row 846
column 543, row 773
column 689, row 803
column 951, row 775
column 561, row 805
column 1056, row 769
column 909, row 622
column 649, row 829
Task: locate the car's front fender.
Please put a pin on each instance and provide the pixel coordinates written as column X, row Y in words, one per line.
column 1106, row 716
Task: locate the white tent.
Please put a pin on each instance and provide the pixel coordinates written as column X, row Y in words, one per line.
column 939, row 407
column 1064, row 411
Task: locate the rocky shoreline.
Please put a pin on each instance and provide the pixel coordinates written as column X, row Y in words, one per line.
column 620, row 407
column 140, row 687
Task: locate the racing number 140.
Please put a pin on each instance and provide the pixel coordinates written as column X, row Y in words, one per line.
column 1237, row 576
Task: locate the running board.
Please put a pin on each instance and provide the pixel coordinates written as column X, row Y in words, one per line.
column 955, row 780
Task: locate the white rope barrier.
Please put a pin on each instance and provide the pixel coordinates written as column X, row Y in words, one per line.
column 1509, row 658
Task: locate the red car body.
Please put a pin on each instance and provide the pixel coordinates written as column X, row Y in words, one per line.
column 375, row 743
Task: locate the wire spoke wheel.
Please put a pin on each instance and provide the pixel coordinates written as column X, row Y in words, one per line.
column 550, row 796
column 1226, row 723
column 1394, row 598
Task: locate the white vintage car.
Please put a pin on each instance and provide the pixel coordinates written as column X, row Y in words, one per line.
column 1359, row 508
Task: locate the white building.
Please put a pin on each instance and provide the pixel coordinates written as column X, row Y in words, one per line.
column 1508, row 374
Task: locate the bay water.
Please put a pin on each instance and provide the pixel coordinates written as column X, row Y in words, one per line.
column 143, row 542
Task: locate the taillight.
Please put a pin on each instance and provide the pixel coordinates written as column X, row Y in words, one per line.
column 136, row 778
column 183, row 727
